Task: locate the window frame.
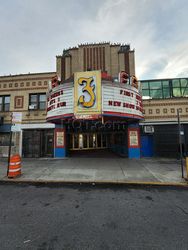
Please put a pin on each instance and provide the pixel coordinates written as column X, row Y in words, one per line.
column 2, row 109
column 171, row 88
column 37, row 100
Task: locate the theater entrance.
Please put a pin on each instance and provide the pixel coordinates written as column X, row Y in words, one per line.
column 88, row 141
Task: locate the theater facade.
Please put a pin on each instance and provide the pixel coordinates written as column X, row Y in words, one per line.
column 94, row 112
column 92, row 102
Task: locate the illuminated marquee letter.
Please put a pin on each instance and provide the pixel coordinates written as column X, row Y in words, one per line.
column 90, row 91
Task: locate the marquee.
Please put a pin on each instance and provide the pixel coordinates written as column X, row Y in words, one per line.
column 89, row 98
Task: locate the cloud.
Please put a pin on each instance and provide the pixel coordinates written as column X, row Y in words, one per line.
column 34, row 32
column 177, row 65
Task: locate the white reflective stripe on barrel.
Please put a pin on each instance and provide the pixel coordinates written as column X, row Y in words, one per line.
column 14, row 170
column 15, row 163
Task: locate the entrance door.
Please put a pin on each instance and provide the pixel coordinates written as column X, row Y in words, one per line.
column 85, row 141
column 37, row 143
column 47, row 147
column 147, row 146
column 31, row 143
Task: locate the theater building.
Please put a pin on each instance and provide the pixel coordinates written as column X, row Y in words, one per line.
column 84, row 107
column 41, row 134
column 107, row 57
column 93, row 112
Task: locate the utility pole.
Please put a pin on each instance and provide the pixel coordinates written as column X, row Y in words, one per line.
column 180, row 142
column 10, row 144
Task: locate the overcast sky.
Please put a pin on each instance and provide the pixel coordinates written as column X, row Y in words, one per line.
column 33, row 32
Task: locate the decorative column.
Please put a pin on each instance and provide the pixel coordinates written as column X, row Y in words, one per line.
column 134, row 141
column 59, row 143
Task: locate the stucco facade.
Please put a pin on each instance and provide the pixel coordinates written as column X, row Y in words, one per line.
column 111, row 58
column 19, row 88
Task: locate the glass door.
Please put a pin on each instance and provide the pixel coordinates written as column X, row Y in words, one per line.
column 88, row 141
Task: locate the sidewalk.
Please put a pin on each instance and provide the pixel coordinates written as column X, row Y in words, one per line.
column 99, row 170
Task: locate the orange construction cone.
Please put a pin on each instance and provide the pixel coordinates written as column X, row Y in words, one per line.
column 14, row 166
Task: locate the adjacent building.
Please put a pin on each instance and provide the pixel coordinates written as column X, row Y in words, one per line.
column 26, row 93
column 161, row 100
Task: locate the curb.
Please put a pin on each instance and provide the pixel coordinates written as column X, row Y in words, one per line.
column 104, row 182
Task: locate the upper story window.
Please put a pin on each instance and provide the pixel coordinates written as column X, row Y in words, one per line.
column 37, row 101
column 157, row 89
column 5, row 103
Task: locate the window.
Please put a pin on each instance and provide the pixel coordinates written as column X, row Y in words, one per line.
column 184, row 83
column 42, row 101
column 184, row 87
column 145, row 85
column 4, row 103
column 176, row 92
column 166, row 92
column 37, row 101
column 156, row 93
column 4, row 139
column 155, row 85
column 145, row 92
column 176, row 83
column 167, row 88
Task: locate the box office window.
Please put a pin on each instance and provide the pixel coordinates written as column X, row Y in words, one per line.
column 37, row 101
column 4, row 103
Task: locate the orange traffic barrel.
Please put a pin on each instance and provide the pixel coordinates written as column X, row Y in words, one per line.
column 14, row 166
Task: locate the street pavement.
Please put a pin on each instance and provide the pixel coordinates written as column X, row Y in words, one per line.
column 86, row 217
column 104, row 169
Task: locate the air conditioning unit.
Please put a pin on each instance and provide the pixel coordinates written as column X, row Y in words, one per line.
column 32, row 106
column 149, row 129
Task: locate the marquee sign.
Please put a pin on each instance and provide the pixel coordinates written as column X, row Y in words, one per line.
column 121, row 101
column 60, row 102
column 86, row 99
column 87, row 93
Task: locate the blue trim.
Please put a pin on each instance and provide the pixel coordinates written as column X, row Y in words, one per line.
column 133, row 125
column 59, row 152
column 134, row 153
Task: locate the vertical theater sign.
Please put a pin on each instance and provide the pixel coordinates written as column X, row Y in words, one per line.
column 87, row 95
